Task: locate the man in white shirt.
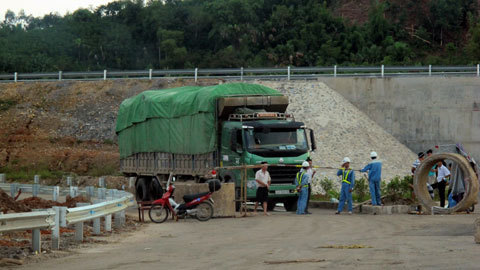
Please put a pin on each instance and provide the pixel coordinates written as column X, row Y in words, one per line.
column 262, row 177
column 442, row 174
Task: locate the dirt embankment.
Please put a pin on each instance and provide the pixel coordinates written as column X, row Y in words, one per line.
column 66, row 126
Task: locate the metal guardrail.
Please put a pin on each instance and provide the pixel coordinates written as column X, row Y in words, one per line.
column 115, row 203
column 90, row 212
column 289, row 73
column 27, row 221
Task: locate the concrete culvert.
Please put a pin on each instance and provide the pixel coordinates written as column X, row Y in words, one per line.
column 420, row 181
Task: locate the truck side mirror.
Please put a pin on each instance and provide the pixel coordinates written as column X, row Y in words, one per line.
column 312, row 140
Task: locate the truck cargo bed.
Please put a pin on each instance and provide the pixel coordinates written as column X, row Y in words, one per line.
column 163, row 163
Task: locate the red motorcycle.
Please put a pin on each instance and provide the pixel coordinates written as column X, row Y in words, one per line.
column 198, row 205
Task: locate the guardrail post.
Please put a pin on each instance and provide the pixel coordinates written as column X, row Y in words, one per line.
column 478, row 70
column 63, row 216
column 288, row 73
column 335, row 71
column 69, row 180
column 89, row 190
column 241, row 74
column 96, row 221
column 13, row 190
column 196, row 74
column 150, row 72
column 104, row 74
column 108, row 223
column 56, row 193
column 101, row 182
column 2, row 178
column 15, row 76
column 383, row 71
column 36, row 241
column 36, row 179
column 73, row 192
column 118, row 219
column 79, row 226
column 429, row 70
column 131, row 182
column 60, row 75
column 56, row 229
column 35, row 190
column 102, row 192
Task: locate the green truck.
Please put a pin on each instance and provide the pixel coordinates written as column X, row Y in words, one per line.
column 192, row 130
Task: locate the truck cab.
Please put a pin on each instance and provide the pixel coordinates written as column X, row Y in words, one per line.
column 250, row 136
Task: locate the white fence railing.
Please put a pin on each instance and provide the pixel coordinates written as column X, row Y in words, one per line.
column 289, row 72
column 106, row 203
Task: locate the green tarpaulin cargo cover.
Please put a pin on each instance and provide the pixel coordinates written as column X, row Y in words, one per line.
column 178, row 120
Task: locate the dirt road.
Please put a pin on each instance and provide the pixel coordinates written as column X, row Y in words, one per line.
column 396, row 242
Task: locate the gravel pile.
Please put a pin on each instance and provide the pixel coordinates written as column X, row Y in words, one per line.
column 342, row 130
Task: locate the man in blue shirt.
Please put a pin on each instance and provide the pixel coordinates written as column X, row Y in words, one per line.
column 348, row 182
column 374, row 169
column 301, row 181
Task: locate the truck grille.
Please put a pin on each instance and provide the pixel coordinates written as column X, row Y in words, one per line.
column 283, row 175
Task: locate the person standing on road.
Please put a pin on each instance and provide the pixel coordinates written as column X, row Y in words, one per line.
column 301, row 181
column 348, row 182
column 442, row 174
column 311, row 172
column 262, row 177
column 374, row 169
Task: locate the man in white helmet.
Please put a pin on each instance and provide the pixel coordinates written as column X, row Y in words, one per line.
column 301, row 181
column 374, row 169
column 348, row 182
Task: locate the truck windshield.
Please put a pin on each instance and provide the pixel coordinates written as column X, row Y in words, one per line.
column 276, row 139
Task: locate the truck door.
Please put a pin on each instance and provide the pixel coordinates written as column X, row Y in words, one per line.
column 231, row 152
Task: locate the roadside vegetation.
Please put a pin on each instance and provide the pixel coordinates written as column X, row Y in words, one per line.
column 134, row 34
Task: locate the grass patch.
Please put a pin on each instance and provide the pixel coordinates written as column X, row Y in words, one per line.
column 98, row 171
column 7, row 104
column 25, row 174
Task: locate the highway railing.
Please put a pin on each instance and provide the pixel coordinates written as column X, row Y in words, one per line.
column 288, row 73
column 107, row 202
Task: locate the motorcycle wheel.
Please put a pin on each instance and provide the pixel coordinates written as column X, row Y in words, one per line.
column 158, row 213
column 204, row 211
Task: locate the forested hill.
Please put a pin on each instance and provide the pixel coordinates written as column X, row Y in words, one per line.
column 172, row 34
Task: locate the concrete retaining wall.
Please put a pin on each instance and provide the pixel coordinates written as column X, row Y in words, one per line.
column 419, row 111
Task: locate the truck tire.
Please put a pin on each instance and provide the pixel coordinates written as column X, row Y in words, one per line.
column 271, row 205
column 155, row 190
column 141, row 190
column 290, row 204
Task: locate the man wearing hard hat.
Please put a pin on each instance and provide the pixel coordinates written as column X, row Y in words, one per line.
column 374, row 169
column 301, row 181
column 348, row 181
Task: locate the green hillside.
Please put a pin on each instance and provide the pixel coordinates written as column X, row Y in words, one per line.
column 174, row 34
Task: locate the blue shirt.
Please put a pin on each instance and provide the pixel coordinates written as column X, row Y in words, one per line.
column 304, row 180
column 374, row 169
column 430, row 173
column 350, row 177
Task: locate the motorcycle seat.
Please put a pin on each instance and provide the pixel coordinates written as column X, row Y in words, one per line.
column 190, row 197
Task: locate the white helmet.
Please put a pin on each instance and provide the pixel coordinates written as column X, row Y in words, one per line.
column 346, row 160
column 373, row 154
column 305, row 164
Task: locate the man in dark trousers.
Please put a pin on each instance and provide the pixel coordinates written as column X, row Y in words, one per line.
column 311, row 172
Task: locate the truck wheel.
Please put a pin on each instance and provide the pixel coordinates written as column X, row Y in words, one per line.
column 271, row 205
column 290, row 205
column 141, row 190
column 156, row 190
